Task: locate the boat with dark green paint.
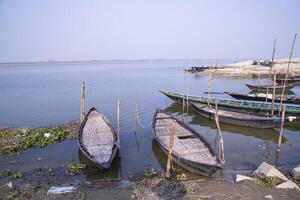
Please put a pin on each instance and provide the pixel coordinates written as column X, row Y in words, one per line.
column 230, row 104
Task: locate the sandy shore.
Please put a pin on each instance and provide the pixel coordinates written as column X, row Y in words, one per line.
column 249, row 69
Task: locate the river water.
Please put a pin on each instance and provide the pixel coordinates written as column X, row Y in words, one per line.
column 38, row 95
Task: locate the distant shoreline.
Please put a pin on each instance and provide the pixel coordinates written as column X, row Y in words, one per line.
column 103, row 61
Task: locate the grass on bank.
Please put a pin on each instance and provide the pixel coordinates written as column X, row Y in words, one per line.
column 14, row 140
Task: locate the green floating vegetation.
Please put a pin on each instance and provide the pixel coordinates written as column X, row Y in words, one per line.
column 8, row 133
column 177, row 174
column 41, row 137
column 12, row 174
column 74, row 169
column 149, row 172
column 269, row 181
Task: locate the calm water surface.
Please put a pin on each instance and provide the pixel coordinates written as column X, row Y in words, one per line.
column 41, row 95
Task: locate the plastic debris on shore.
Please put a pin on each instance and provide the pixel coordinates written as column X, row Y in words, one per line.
column 267, row 170
column 61, row 190
column 240, row 178
column 288, row 185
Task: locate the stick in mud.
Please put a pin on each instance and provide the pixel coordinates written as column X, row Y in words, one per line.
column 82, row 110
column 209, row 85
column 186, row 90
column 272, row 63
column 281, row 129
column 118, row 119
column 274, row 93
column 219, row 132
column 171, row 142
column 287, row 71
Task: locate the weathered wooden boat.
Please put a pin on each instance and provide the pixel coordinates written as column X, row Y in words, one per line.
column 252, row 106
column 190, row 150
column 263, row 88
column 294, row 81
column 97, row 139
column 238, row 118
column 292, row 99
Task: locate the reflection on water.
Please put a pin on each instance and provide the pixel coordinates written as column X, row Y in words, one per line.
column 35, row 96
column 92, row 172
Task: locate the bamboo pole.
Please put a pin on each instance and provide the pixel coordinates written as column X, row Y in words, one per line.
column 209, row 85
column 118, row 120
column 274, row 93
column 186, row 90
column 287, row 71
column 258, row 81
column 82, row 108
column 272, row 62
column 222, row 157
column 136, row 115
column 281, row 129
column 171, row 142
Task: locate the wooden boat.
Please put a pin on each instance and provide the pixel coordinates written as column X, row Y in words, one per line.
column 263, row 88
column 242, row 105
column 190, row 150
column 294, row 80
column 237, row 118
column 97, row 139
column 262, row 97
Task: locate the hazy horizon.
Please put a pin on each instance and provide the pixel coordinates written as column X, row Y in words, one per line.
column 77, row 30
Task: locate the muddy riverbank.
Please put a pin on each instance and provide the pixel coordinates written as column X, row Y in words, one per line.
column 37, row 184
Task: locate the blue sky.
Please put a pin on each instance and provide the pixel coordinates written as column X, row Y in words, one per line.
column 40, row 30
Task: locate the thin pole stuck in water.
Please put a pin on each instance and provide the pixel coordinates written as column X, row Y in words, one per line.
column 171, row 142
column 272, row 63
column 258, row 81
column 136, row 115
column 209, row 85
column 222, row 157
column 82, row 110
column 281, row 128
column 274, row 93
column 186, row 90
column 287, row 71
column 118, row 120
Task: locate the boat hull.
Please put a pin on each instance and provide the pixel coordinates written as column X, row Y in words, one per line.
column 243, row 106
column 256, row 98
column 115, row 149
column 238, row 120
column 195, row 167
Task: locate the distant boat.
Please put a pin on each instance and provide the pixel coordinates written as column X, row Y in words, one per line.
column 242, row 105
column 190, row 150
column 262, row 97
column 237, row 118
column 97, row 139
column 263, row 88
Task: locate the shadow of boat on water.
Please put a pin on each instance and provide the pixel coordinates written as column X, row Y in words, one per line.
column 196, row 119
column 92, row 172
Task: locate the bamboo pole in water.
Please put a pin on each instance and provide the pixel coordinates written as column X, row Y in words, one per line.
column 287, row 71
column 186, row 90
column 274, row 93
column 136, row 115
column 118, row 120
column 209, row 85
column 281, row 128
column 82, row 108
column 222, row 157
column 171, row 142
column 258, row 81
column 271, row 68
